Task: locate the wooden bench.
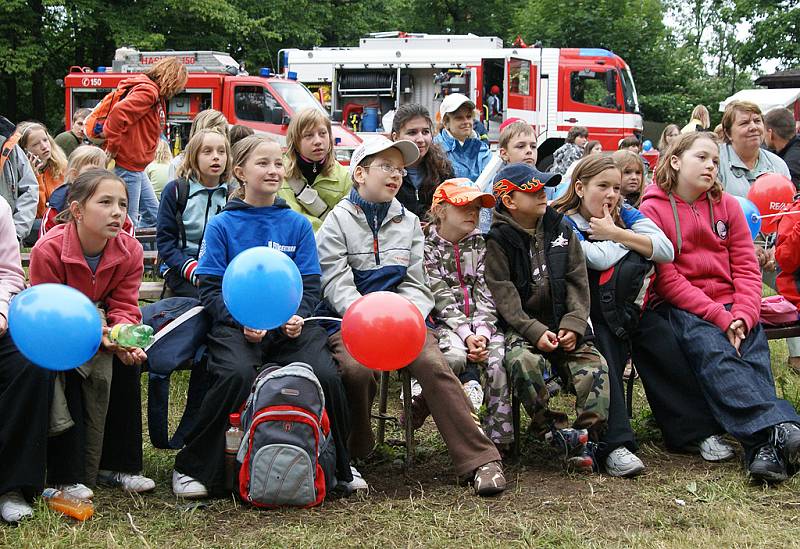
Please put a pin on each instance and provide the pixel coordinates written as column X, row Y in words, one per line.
column 782, row 332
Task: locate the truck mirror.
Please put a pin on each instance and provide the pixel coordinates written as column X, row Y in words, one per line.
column 336, row 116
column 278, row 116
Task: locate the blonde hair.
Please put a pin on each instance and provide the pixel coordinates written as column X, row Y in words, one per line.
column 700, row 112
column 210, row 119
column 625, row 159
column 513, row 130
column 82, row 156
column 301, row 122
column 163, row 153
column 170, row 75
column 587, row 168
column 57, row 163
column 243, row 149
column 667, row 176
column 190, row 169
column 662, row 141
column 734, row 108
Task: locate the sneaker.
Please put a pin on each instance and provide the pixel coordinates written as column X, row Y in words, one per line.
column 786, row 439
column 715, row 448
column 569, row 441
column 419, row 412
column 623, row 463
column 129, row 482
column 767, row 466
column 416, row 389
column 185, row 486
column 13, row 507
column 489, row 479
column 358, row 482
column 77, row 491
column 581, row 460
column 474, row 393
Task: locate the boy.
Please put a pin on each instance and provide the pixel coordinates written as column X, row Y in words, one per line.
column 69, row 140
column 369, row 243
column 536, row 272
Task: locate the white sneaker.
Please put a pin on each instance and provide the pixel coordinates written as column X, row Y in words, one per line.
column 474, row 393
column 13, row 507
column 623, row 463
column 358, row 482
column 185, row 486
column 416, row 389
column 77, row 491
column 714, row 448
column 127, row 481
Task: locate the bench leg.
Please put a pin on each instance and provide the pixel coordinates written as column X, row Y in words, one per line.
column 405, row 375
column 383, row 396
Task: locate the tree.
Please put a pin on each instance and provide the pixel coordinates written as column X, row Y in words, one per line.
column 774, row 31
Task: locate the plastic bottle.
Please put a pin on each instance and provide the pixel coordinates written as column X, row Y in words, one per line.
column 233, row 438
column 78, row 509
column 132, row 335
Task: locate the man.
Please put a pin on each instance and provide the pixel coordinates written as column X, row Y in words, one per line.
column 781, row 138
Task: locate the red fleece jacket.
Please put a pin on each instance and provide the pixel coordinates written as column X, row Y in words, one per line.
column 787, row 254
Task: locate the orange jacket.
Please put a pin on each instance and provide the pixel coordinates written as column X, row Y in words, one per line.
column 47, row 184
column 134, row 125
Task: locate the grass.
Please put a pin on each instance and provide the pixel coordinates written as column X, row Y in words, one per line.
column 680, row 501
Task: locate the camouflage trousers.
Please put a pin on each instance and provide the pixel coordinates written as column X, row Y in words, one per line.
column 497, row 422
column 584, row 370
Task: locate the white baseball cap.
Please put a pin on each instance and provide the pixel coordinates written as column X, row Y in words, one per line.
column 453, row 102
column 378, row 144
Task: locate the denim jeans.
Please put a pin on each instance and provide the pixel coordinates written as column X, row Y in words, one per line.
column 142, row 201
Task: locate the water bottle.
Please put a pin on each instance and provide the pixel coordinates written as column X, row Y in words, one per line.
column 233, row 438
column 132, row 335
column 79, row 509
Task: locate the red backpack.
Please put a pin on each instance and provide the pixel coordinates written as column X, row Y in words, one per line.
column 94, row 123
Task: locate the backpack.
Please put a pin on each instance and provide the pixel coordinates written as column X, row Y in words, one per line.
column 182, row 197
column 181, row 325
column 619, row 293
column 7, row 149
column 287, row 455
column 93, row 125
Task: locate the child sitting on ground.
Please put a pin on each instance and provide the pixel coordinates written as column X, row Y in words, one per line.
column 536, row 272
column 368, row 243
column 464, row 310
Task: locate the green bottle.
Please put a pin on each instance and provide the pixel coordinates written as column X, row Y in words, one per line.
column 132, row 335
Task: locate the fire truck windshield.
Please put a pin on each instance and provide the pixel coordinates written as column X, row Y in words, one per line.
column 629, row 91
column 296, row 96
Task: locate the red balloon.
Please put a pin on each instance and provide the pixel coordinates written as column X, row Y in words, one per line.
column 383, row 331
column 771, row 193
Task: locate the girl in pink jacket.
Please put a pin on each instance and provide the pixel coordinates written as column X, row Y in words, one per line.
column 713, row 294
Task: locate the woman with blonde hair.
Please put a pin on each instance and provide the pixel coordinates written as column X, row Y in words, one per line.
column 700, row 120
column 315, row 182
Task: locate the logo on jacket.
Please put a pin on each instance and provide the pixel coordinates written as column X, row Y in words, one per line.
column 281, row 247
column 721, row 229
column 559, row 241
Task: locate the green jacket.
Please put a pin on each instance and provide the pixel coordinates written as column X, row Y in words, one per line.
column 330, row 188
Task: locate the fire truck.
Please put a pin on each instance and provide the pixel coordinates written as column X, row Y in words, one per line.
column 265, row 102
column 552, row 88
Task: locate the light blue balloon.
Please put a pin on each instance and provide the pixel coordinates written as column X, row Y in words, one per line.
column 647, row 145
column 262, row 288
column 751, row 214
column 55, row 326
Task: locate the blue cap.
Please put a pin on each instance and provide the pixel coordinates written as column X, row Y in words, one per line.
column 523, row 177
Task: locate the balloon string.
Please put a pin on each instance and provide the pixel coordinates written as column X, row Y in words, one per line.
column 322, row 318
column 778, row 214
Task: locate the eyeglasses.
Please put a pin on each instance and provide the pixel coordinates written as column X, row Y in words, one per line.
column 389, row 169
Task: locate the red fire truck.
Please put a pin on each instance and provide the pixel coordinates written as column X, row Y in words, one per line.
column 552, row 88
column 265, row 103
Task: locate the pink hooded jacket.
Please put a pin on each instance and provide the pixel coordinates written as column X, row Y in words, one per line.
column 12, row 277
column 715, row 262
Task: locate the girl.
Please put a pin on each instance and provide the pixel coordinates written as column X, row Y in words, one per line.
column 48, row 161
column 592, row 147
column 609, row 230
column 671, row 131
column 89, row 252
column 464, row 310
column 632, row 168
column 712, row 292
column 699, row 121
column 255, row 217
column 315, row 181
column 208, row 119
column 413, row 122
column 24, row 395
column 158, row 170
column 202, row 184
column 468, row 154
column 571, row 151
column 135, row 125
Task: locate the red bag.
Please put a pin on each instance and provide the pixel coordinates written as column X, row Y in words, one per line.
column 777, row 311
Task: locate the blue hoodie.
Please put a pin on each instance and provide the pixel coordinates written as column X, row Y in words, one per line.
column 469, row 159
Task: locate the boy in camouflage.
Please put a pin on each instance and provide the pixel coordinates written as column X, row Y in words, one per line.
column 536, row 272
column 464, row 310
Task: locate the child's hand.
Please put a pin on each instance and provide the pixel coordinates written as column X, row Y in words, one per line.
column 106, row 343
column 476, row 348
column 131, row 355
column 568, row 339
column 736, row 333
column 293, row 327
column 36, row 162
column 548, row 342
column 603, row 228
column 253, row 336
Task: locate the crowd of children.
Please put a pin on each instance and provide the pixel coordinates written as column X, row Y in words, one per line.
column 515, row 288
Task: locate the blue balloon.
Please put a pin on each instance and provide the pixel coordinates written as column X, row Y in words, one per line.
column 262, row 288
column 751, row 214
column 647, row 145
column 55, row 326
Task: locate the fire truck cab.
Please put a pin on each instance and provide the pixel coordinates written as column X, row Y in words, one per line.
column 265, row 103
column 552, row 88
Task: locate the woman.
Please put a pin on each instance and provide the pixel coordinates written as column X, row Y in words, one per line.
column 699, row 121
column 133, row 128
column 413, row 122
column 315, row 182
column 468, row 154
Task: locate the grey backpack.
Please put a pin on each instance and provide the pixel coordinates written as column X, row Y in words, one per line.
column 287, row 454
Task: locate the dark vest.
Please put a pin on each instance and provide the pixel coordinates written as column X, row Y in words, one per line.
column 517, row 247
